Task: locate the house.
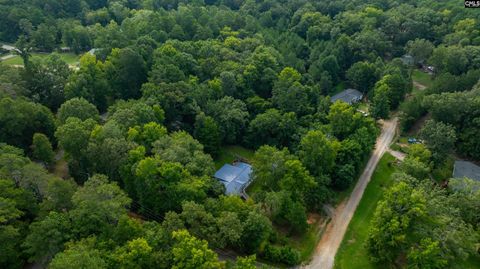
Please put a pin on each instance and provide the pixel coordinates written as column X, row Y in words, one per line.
column 235, row 177
column 463, row 169
column 407, row 59
column 349, row 96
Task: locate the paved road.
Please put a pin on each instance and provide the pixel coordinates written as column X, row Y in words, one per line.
column 331, row 239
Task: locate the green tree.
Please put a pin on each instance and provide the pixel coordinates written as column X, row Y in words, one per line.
column 97, row 206
column 161, row 186
column 46, row 79
column 420, row 50
column 450, row 59
column 44, row 38
column 147, row 134
column 269, row 166
column 80, row 254
column 42, row 149
column 48, row 236
column 440, row 139
column 318, row 153
column 363, row 76
column 427, row 255
column 297, row 217
column 401, row 206
column 247, row 262
column 191, row 253
column 135, row 254
column 466, row 197
column 73, row 136
column 230, row 229
column 288, row 94
column 421, row 152
column 20, row 119
column 12, row 209
column 414, row 167
column 183, row 148
column 381, row 102
column 398, row 86
column 343, row 119
column 343, row 176
column 135, row 113
column 296, row 180
column 9, row 249
column 58, row 196
column 78, row 108
column 126, row 72
column 257, row 229
column 89, row 82
column 206, row 131
column 231, row 116
column 272, row 128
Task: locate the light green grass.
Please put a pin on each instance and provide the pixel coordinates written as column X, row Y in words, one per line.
column 422, row 78
column 228, row 154
column 363, row 107
column 352, row 253
column 69, row 58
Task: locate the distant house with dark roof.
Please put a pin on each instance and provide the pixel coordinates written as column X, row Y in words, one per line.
column 349, row 96
column 463, row 169
column 234, row 177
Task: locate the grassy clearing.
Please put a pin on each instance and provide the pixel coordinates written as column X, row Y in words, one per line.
column 340, row 87
column 230, row 153
column 69, row 58
column 422, row 78
column 352, row 253
column 363, row 107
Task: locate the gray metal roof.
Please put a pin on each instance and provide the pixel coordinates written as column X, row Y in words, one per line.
column 234, row 177
column 349, row 96
column 466, row 169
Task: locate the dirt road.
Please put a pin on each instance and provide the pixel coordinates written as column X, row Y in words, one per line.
column 419, row 86
column 328, row 246
column 6, row 57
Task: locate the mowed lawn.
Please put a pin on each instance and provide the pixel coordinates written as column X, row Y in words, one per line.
column 69, row 58
column 228, row 154
column 352, row 253
column 422, row 78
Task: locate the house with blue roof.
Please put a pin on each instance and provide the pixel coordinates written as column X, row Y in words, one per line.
column 235, row 177
column 349, row 96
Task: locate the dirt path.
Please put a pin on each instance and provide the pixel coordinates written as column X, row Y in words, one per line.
column 397, row 154
column 6, row 57
column 327, row 248
column 419, row 86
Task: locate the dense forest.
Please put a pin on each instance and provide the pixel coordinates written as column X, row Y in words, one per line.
column 109, row 164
